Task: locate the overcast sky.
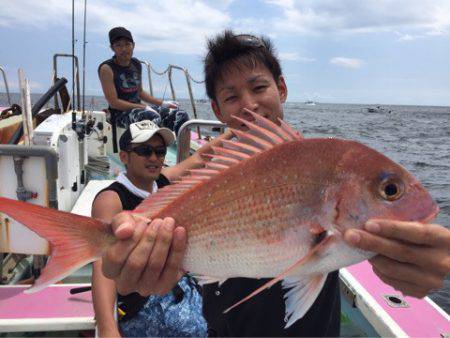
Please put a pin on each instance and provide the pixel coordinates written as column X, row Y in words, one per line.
column 353, row 51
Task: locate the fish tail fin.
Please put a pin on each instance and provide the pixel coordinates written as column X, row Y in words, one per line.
column 69, row 236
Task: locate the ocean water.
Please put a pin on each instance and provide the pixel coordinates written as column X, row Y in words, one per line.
column 417, row 137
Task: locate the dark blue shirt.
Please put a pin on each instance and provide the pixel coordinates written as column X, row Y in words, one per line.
column 127, row 80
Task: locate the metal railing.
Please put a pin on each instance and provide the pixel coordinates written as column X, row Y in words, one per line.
column 184, row 138
column 77, row 78
column 149, row 72
column 6, row 85
column 169, row 72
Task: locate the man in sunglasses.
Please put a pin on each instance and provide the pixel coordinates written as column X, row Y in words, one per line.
column 121, row 80
column 143, row 147
column 242, row 72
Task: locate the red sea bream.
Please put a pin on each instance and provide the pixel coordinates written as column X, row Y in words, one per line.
column 270, row 204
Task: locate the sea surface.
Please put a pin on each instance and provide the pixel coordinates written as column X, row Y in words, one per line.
column 417, row 137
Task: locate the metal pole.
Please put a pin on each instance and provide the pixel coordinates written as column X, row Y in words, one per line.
column 184, row 134
column 84, row 56
column 6, row 86
column 55, row 76
column 171, row 84
column 191, row 97
column 150, row 84
column 73, row 67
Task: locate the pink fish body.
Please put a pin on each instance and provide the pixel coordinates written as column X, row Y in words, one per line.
column 270, row 204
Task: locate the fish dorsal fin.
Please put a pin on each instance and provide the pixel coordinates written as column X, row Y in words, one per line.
column 262, row 135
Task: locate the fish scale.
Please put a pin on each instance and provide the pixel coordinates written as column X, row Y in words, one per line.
column 271, row 204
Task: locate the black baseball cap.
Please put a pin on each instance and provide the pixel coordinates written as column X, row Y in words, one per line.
column 118, row 33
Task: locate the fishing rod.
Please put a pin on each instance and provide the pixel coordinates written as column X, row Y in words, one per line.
column 84, row 56
column 74, row 123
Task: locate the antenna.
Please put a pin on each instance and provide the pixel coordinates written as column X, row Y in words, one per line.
column 74, row 126
column 84, row 56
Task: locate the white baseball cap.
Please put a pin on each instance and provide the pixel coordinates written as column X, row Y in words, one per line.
column 143, row 131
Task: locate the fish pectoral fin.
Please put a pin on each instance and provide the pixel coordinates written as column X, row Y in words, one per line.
column 293, row 270
column 301, row 296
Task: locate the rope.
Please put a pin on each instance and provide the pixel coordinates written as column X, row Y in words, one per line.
column 167, row 69
column 193, row 80
column 159, row 73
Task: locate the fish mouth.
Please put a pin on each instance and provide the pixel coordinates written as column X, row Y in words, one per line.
column 431, row 216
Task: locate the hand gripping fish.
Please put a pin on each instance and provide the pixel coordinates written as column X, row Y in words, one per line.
column 270, row 204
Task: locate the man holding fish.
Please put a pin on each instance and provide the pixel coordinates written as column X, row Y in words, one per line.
column 282, row 210
column 243, row 73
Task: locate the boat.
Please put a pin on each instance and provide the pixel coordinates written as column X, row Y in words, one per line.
column 377, row 109
column 310, row 103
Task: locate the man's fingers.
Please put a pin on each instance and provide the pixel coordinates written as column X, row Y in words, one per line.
column 380, row 245
column 117, row 254
column 158, row 257
column 414, row 232
column 172, row 273
column 409, row 273
column 137, row 260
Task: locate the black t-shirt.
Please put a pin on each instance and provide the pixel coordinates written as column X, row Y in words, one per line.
column 127, row 80
column 264, row 314
column 133, row 302
column 128, row 199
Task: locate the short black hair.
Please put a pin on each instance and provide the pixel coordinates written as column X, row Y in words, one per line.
column 228, row 49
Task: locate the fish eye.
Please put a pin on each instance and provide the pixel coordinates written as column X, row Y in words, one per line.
column 391, row 189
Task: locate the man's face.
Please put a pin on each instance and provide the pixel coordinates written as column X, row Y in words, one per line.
column 144, row 167
column 123, row 48
column 254, row 89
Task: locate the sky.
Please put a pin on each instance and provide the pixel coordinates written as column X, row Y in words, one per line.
column 337, row 51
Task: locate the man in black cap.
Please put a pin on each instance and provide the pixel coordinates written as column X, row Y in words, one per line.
column 121, row 79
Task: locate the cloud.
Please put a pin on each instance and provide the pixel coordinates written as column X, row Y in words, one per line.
column 347, row 62
column 336, row 16
column 293, row 56
column 306, row 59
column 288, row 56
column 176, row 26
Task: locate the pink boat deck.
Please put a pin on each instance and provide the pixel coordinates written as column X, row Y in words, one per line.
column 53, row 308
column 419, row 319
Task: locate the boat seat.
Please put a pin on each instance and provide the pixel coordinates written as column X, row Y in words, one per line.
column 83, row 205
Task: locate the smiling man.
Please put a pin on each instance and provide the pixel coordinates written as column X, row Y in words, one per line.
column 241, row 73
column 143, row 147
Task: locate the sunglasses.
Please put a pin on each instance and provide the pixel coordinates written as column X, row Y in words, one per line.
column 147, row 150
column 250, row 40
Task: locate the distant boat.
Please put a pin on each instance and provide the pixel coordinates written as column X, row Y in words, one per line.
column 378, row 109
column 310, row 103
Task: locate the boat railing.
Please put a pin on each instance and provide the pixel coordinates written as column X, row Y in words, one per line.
column 8, row 96
column 76, row 80
column 183, row 138
column 169, row 71
column 149, row 73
